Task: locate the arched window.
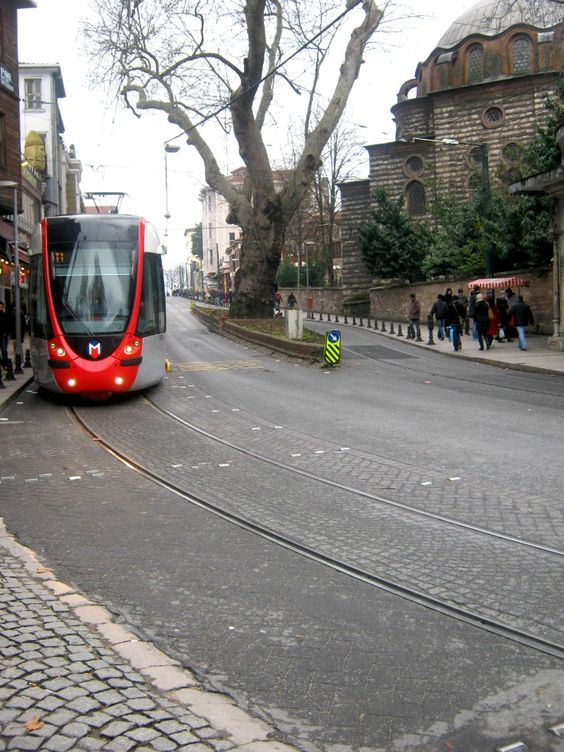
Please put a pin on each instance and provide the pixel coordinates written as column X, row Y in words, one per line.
column 475, row 64
column 521, row 54
column 415, row 197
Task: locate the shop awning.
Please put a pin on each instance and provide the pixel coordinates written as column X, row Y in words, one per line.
column 499, row 282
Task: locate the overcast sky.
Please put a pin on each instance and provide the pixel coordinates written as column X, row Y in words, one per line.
column 122, row 153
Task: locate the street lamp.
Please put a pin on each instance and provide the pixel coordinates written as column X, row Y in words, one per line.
column 17, row 304
column 169, row 149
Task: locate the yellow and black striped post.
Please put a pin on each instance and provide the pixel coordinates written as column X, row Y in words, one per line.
column 332, row 348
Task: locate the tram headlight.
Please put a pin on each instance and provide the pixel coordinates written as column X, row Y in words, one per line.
column 57, row 350
column 131, row 347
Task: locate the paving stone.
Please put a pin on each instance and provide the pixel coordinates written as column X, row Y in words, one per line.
column 90, row 744
column 83, row 705
column 141, row 703
column 184, row 737
column 123, row 744
column 27, row 742
column 75, row 729
column 143, row 734
column 162, row 744
column 116, row 728
column 108, row 697
column 59, row 743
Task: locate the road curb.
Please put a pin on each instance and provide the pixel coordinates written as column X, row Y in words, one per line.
column 163, row 674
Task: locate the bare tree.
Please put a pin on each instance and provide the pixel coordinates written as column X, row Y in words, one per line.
column 193, row 59
column 341, row 159
column 534, row 12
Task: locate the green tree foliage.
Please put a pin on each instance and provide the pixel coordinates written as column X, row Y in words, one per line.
column 288, row 273
column 198, row 242
column 392, row 244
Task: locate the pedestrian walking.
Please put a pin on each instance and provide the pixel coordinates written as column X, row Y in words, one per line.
column 522, row 315
column 414, row 316
column 277, row 302
column 482, row 320
column 493, row 316
column 463, row 302
column 504, row 328
column 471, row 309
column 439, row 311
column 292, row 300
column 454, row 322
column 4, row 332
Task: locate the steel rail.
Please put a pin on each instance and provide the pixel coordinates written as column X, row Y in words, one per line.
column 351, row 489
column 471, row 618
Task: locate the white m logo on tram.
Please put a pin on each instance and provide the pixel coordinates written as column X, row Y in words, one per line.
column 94, row 349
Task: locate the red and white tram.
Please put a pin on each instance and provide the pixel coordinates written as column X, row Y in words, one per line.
column 97, row 305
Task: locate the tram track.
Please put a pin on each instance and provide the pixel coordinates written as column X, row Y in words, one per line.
column 475, row 618
column 351, row 489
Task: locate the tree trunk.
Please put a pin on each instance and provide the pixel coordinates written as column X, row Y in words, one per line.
column 260, row 253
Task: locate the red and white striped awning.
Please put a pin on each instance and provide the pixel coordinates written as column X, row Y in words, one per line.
column 499, row 282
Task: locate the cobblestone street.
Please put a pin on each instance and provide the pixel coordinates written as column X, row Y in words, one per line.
column 65, row 687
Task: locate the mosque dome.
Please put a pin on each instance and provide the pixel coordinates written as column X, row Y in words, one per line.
column 492, row 17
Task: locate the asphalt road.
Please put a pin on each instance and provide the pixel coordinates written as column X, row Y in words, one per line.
column 335, row 662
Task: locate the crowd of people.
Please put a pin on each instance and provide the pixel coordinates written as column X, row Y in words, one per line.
column 487, row 318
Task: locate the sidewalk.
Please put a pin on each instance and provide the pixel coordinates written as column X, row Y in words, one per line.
column 539, row 357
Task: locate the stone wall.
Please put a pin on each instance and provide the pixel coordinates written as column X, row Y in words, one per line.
column 391, row 302
column 324, row 299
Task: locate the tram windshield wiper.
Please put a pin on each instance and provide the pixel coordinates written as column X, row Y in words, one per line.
column 75, row 316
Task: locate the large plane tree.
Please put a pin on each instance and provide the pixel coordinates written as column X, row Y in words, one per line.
column 198, row 61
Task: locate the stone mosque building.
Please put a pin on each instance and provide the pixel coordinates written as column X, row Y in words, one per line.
column 483, row 84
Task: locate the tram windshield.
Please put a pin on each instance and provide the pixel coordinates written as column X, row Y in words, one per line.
column 92, row 275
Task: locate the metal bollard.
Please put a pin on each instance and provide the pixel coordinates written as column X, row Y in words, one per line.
column 354, row 321
column 320, row 316
column 18, row 369
column 27, row 362
column 368, row 324
column 346, row 319
column 419, row 338
column 360, row 321
column 336, row 318
column 400, row 333
column 392, row 331
column 329, row 317
column 2, row 385
column 383, row 327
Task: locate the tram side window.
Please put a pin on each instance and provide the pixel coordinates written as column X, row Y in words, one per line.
column 40, row 325
column 152, row 316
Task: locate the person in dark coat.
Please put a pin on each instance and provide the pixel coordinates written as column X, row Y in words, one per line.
column 4, row 332
column 454, row 322
column 292, row 300
column 522, row 316
column 502, row 309
column 482, row 320
column 439, row 311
